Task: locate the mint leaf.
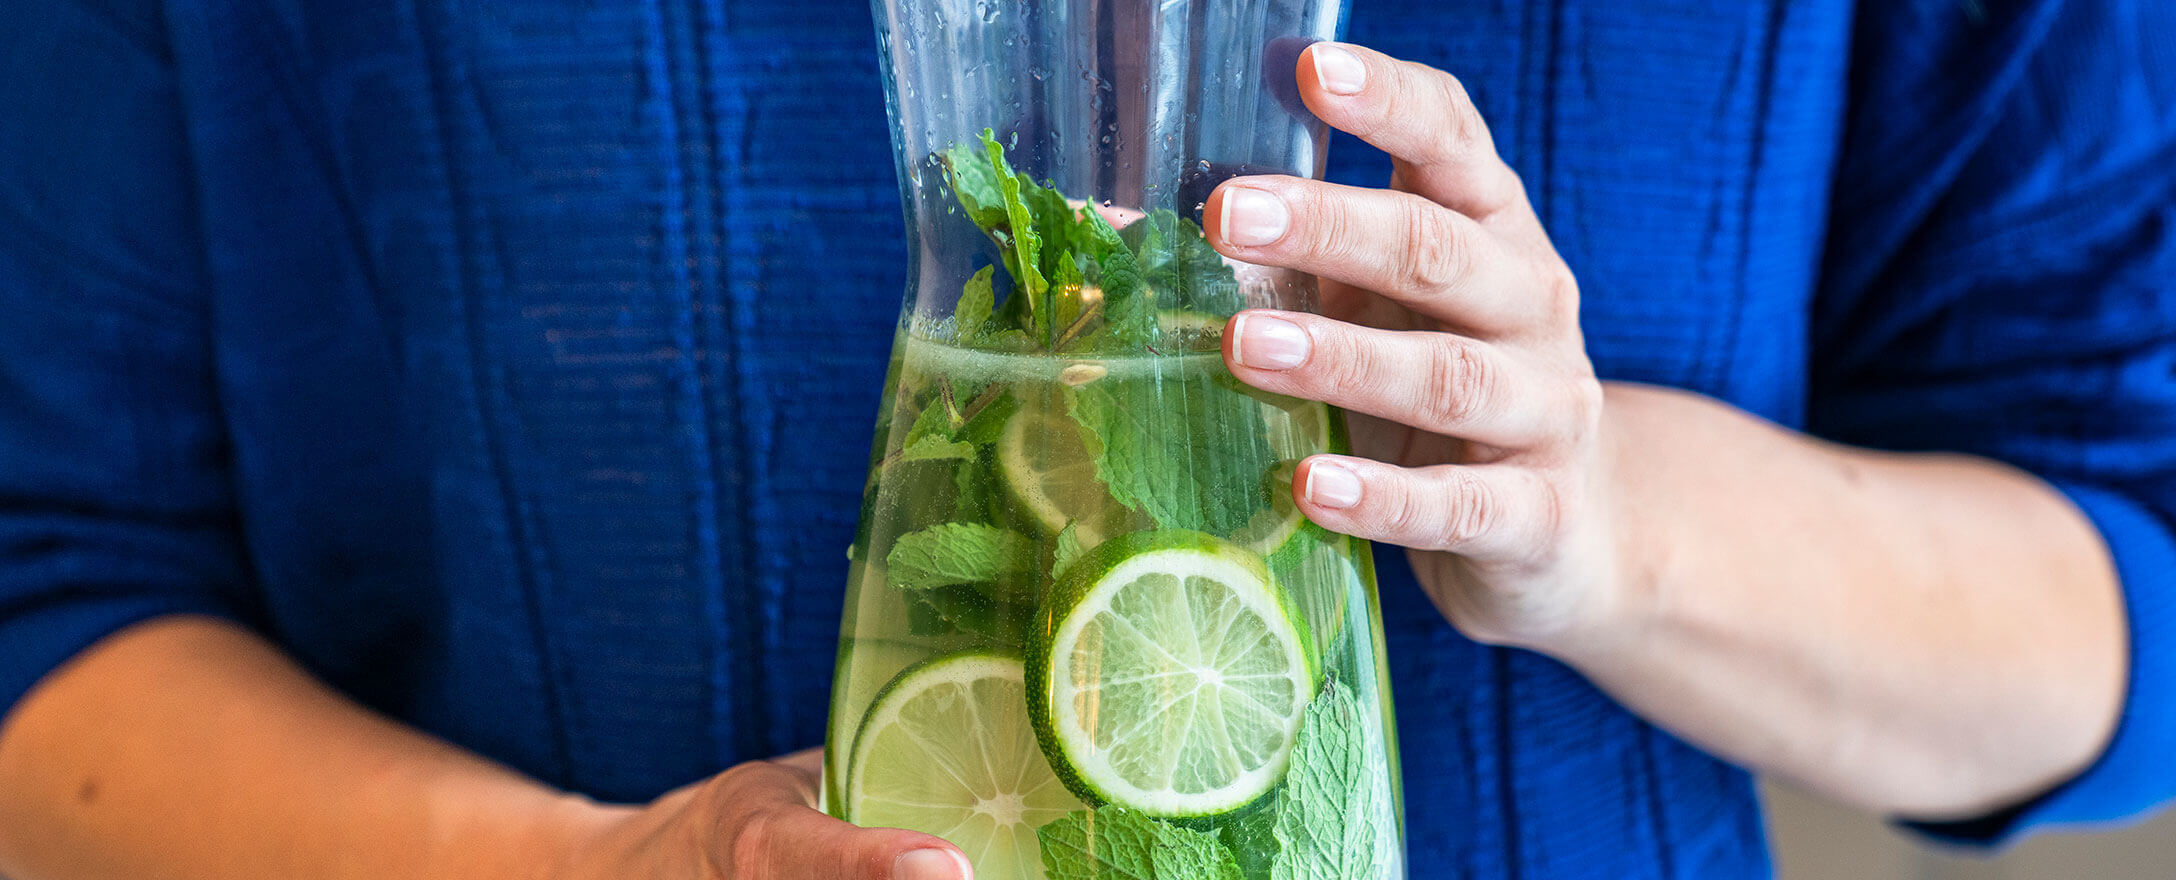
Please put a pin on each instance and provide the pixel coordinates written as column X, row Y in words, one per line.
column 1150, row 239
column 983, row 426
column 1129, row 311
column 1068, row 549
column 1024, row 243
column 1094, row 236
column 1180, row 265
column 964, row 609
column 959, row 553
column 1066, row 284
column 936, row 448
column 1316, row 568
column 974, row 184
column 977, row 300
column 972, row 485
column 1198, row 274
column 1334, row 818
column 1252, row 838
column 930, row 437
column 931, row 422
column 1191, row 456
column 1114, row 844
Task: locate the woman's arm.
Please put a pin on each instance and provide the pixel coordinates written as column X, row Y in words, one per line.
column 185, row 747
column 189, row 748
column 1934, row 636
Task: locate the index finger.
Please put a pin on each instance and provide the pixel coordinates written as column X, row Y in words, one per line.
column 1421, row 116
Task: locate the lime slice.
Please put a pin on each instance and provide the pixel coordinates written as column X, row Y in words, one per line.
column 1192, row 331
column 1273, row 526
column 1049, row 474
column 947, row 749
column 1173, row 677
column 1297, row 428
column 1315, row 567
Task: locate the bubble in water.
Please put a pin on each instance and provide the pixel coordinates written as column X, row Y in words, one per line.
column 988, row 8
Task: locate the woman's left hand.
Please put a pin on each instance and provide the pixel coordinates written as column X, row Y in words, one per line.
column 1458, row 352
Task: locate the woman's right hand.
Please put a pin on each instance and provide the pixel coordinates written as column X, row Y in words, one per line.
column 756, row 821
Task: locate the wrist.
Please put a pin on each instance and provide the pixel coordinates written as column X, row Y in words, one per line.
column 1634, row 545
column 534, row 835
column 568, row 835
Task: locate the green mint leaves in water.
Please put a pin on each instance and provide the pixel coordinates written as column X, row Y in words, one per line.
column 1335, row 799
column 1008, row 477
column 1181, row 455
column 1079, row 285
column 1114, row 844
column 1327, row 822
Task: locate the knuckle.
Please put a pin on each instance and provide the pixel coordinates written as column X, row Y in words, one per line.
column 750, row 844
column 1459, row 385
column 1472, row 509
column 1466, row 130
column 1584, row 410
column 1409, row 517
column 1352, row 367
column 1561, row 501
column 1559, row 296
column 1337, row 234
column 1436, row 257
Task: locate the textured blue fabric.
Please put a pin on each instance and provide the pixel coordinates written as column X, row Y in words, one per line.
column 512, row 364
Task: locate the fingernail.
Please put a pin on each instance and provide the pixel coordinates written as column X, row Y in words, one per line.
column 1253, row 217
column 1339, row 71
column 1332, row 485
column 1267, row 342
column 931, row 864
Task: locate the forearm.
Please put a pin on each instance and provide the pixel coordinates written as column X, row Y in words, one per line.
column 1932, row 636
column 188, row 748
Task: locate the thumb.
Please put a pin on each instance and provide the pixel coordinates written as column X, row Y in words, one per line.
column 781, row 837
column 803, row 843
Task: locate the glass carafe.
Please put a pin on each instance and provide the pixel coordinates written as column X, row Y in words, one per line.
column 1087, row 632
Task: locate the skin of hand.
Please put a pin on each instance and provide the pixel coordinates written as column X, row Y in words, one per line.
column 759, row 820
column 1934, row 636
column 191, row 748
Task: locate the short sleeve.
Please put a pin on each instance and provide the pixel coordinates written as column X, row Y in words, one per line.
column 114, row 502
column 2002, row 281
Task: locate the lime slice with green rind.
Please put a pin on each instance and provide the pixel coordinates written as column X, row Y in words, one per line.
column 1185, row 330
column 947, row 749
column 1169, row 674
column 1297, row 428
column 1315, row 568
column 1273, row 526
column 1049, row 474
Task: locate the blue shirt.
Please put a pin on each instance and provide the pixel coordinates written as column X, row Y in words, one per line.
column 513, row 364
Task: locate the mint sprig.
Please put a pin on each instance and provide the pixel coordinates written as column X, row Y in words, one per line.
column 1334, row 818
column 1173, row 454
column 961, row 553
column 1114, row 844
column 1079, row 285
